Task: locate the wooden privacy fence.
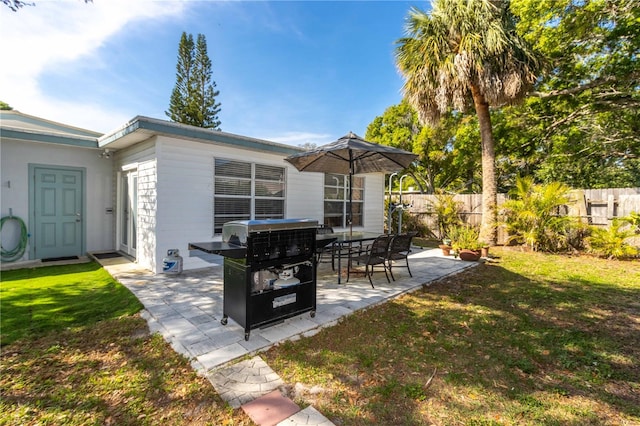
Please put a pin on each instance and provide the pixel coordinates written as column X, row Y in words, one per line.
column 593, row 206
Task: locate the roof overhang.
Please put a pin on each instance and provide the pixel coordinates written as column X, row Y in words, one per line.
column 142, row 128
column 55, row 138
column 17, row 126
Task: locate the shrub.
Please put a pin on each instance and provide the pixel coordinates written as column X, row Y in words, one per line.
column 577, row 234
column 634, row 220
column 610, row 241
column 414, row 223
column 532, row 215
column 465, row 237
column 447, row 211
column 410, row 222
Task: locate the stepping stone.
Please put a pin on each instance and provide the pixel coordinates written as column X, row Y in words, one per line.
column 245, row 381
column 270, row 409
column 307, row 417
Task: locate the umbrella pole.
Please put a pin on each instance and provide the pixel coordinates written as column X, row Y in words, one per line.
column 350, row 205
column 350, row 193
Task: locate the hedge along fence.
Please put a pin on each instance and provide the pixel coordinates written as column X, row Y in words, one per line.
column 594, row 206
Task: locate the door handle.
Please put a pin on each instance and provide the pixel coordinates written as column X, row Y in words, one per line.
column 78, row 217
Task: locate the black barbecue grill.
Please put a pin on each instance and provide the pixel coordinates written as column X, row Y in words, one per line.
column 269, row 270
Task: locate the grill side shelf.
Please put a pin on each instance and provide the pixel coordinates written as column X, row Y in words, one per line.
column 220, row 248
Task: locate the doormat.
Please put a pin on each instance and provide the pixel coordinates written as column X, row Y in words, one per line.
column 56, row 259
column 109, row 255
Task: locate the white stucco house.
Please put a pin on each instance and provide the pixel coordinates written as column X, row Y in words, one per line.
column 153, row 185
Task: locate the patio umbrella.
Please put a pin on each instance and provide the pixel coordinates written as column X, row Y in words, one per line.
column 352, row 155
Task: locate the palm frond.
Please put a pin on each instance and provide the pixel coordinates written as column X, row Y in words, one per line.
column 459, row 44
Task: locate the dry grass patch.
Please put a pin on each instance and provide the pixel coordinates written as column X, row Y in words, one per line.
column 73, row 354
column 525, row 339
column 110, row 373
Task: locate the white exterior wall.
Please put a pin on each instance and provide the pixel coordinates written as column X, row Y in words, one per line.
column 374, row 188
column 175, row 196
column 142, row 157
column 305, row 198
column 175, row 192
column 185, row 198
column 185, row 194
column 147, row 224
column 14, row 171
column 305, row 194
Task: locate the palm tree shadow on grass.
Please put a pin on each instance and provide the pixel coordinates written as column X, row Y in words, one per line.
column 488, row 331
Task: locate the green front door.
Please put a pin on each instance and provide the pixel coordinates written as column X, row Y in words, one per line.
column 57, row 212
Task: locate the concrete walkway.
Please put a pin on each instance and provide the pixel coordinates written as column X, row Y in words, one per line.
column 186, row 309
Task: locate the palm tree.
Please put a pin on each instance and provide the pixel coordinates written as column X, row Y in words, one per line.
column 463, row 53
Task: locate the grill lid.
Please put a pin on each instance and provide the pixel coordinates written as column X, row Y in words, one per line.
column 236, row 231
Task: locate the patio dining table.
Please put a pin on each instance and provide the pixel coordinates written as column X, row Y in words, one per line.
column 346, row 240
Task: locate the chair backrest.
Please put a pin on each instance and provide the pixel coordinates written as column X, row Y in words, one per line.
column 401, row 243
column 324, row 230
column 380, row 245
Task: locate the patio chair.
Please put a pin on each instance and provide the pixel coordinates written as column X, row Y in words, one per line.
column 335, row 250
column 399, row 249
column 375, row 256
column 329, row 249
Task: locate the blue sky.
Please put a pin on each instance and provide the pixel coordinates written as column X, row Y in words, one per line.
column 288, row 71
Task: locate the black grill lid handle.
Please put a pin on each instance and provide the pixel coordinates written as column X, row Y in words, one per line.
column 234, row 239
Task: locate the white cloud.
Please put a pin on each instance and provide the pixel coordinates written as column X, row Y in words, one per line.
column 55, row 34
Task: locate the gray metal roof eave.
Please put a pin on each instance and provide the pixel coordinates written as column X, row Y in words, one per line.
column 121, row 137
column 141, row 128
column 42, row 125
column 55, row 138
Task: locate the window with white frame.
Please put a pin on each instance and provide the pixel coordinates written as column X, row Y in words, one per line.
column 244, row 191
column 336, row 200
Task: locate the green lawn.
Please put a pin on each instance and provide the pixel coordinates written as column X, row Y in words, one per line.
column 74, row 354
column 527, row 339
column 40, row 300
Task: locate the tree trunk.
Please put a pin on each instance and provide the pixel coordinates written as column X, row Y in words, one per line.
column 488, row 227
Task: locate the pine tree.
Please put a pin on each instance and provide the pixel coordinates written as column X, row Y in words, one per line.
column 193, row 99
column 182, row 90
column 205, row 106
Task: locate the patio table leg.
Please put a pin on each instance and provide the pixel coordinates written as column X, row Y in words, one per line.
column 339, row 263
column 341, row 247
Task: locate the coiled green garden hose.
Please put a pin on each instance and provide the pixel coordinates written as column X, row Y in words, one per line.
column 17, row 252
